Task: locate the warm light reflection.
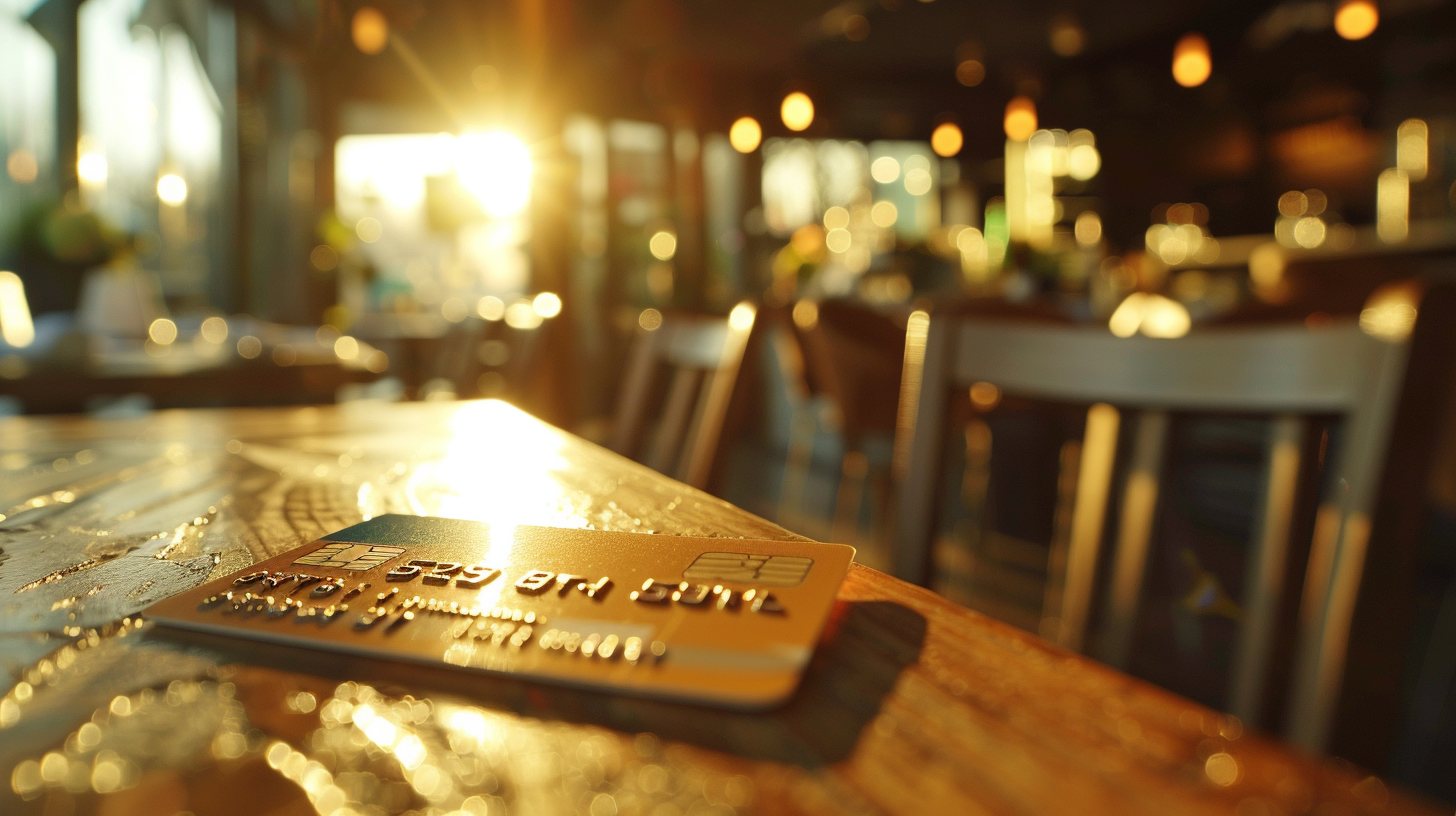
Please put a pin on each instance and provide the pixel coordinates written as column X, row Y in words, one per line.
column 92, row 168
column 1020, row 121
column 491, row 308
column 1088, row 228
column 346, row 348
column 163, row 332
column 650, row 320
column 985, row 396
column 1356, row 19
column 662, row 245
column 16, row 328
column 1266, row 266
column 547, row 304
column 741, row 318
column 1152, row 315
column 496, row 468
column 1390, row 312
column 1412, row 148
column 946, row 140
column 1392, row 205
column 496, row 169
column 884, row 214
column 214, row 330
column 918, row 181
column 521, row 315
column 1083, row 160
column 172, row 189
column 745, row 134
column 836, row 218
column 885, row 169
column 797, row 111
column 370, row 30
column 1191, row 61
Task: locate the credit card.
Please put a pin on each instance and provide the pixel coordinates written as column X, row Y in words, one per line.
column 728, row 622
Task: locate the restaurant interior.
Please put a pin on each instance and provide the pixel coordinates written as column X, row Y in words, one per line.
column 1117, row 339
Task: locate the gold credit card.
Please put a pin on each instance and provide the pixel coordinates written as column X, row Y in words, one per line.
column 723, row 621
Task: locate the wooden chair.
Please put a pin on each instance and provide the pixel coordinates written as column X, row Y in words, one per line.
column 1290, row 372
column 677, row 430
column 854, row 355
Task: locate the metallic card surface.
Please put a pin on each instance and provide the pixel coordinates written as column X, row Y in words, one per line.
column 722, row 621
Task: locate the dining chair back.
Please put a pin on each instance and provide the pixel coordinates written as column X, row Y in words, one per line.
column 1289, row 372
column 679, row 381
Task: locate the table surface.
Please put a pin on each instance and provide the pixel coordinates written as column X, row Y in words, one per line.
column 915, row 706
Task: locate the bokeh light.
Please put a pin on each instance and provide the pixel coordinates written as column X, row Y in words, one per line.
column 918, row 181
column 884, row 214
column 521, row 315
column 885, row 169
column 662, row 245
column 741, row 318
column 16, row 327
column 370, row 30
column 1412, row 148
column 806, row 314
column 547, row 304
column 22, row 166
column 1191, row 61
column 1020, row 121
column 947, row 140
column 745, row 134
column 214, row 329
column 970, row 73
column 163, row 332
column 985, row 396
column 836, row 218
column 1356, row 19
column 172, row 189
column 490, row 308
column 1088, row 228
column 369, row 229
column 92, row 168
column 1067, row 38
column 797, row 111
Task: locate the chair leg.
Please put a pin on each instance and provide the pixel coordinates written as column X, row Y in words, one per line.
column 1337, row 557
column 1069, row 463
column 1135, row 531
column 1099, row 451
column 1264, row 576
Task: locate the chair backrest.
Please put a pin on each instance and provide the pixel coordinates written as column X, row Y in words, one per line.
column 1290, row 372
column 854, row 353
column 677, row 430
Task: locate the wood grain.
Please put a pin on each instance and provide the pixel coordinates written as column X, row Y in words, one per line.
column 913, row 705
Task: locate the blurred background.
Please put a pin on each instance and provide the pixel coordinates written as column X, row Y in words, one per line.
column 737, row 241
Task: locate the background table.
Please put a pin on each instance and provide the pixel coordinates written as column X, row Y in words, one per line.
column 915, row 706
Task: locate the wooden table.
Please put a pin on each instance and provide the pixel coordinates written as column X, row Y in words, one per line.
column 915, row 706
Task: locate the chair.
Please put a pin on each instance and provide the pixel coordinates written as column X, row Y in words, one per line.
column 676, row 431
column 853, row 354
column 1290, row 372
